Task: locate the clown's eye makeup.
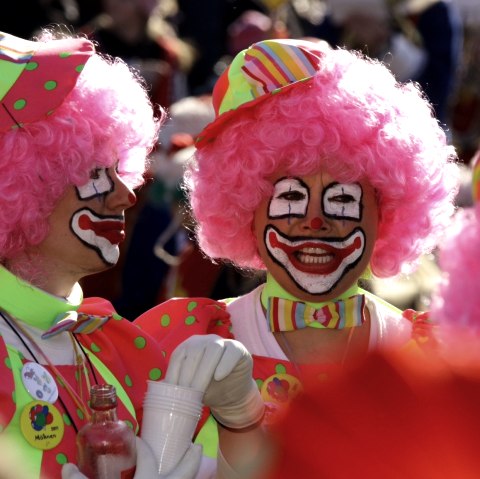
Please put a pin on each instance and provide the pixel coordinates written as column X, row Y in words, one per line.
column 343, row 201
column 290, row 198
column 99, row 184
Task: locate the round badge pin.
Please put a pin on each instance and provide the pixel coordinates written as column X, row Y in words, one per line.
column 42, row 425
column 39, row 382
column 280, row 388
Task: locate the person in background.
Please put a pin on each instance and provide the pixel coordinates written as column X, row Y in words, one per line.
column 25, row 18
column 420, row 40
column 455, row 304
column 204, row 26
column 159, row 237
column 319, row 169
column 123, row 29
column 465, row 108
column 73, row 145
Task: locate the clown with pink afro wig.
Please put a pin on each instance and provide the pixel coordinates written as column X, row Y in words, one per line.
column 76, row 129
column 455, row 305
column 99, row 126
column 351, row 119
column 319, row 168
column 404, row 395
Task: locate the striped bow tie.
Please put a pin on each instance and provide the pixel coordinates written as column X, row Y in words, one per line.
column 76, row 322
column 288, row 315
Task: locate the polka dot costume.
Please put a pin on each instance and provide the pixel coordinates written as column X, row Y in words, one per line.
column 37, row 77
column 120, row 353
column 279, row 381
column 177, row 319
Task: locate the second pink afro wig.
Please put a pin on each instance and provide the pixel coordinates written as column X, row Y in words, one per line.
column 106, row 119
column 457, row 301
column 456, row 304
column 355, row 121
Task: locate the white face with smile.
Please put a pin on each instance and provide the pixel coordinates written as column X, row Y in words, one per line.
column 315, row 234
column 87, row 225
column 101, row 233
column 316, row 266
column 97, row 230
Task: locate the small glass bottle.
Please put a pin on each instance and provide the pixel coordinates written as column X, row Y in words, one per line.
column 106, row 445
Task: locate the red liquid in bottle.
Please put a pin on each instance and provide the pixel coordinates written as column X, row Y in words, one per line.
column 106, row 445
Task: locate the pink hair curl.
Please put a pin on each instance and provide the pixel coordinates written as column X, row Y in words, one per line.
column 456, row 304
column 353, row 121
column 106, row 118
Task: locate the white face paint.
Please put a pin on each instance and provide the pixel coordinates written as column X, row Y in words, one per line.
column 290, row 198
column 102, row 233
column 343, row 201
column 315, row 265
column 99, row 184
column 316, row 235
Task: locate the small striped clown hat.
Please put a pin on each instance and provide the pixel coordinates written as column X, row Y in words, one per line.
column 476, row 178
column 36, row 77
column 264, row 69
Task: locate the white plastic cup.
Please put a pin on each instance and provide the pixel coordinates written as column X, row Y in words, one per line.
column 170, row 417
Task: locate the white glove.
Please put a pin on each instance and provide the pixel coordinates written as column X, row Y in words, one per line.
column 188, row 466
column 147, row 467
column 70, row 471
column 222, row 368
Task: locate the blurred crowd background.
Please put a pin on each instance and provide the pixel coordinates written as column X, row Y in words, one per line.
column 180, row 47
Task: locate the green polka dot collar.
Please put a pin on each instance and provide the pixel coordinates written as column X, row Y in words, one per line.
column 32, row 305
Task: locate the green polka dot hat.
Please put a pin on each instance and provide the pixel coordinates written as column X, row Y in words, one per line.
column 36, row 77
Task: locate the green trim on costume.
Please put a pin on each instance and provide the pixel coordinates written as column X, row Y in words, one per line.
column 32, row 305
column 33, row 457
column 111, row 379
column 10, row 74
column 376, row 298
column 208, row 438
column 273, row 289
column 22, row 398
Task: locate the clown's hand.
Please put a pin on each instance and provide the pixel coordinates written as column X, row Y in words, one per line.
column 70, row 471
column 188, row 466
column 222, row 369
column 147, row 466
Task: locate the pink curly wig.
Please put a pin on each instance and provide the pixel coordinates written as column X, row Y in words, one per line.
column 353, row 121
column 106, row 118
column 456, row 303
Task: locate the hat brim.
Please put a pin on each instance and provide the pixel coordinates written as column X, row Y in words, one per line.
column 211, row 131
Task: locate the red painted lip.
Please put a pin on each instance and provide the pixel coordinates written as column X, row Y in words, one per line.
column 112, row 230
column 293, row 252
